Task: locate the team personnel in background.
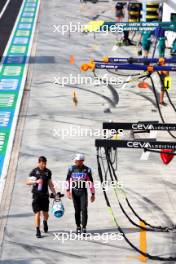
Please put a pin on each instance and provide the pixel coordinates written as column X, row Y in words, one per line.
column 120, row 14
column 119, row 11
column 78, row 177
column 163, row 75
column 146, row 42
column 40, row 179
column 173, row 48
column 161, row 39
column 162, row 46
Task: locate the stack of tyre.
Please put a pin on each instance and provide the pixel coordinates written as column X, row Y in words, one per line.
column 134, row 12
column 153, row 10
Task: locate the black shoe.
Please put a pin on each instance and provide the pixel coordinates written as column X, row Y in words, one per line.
column 163, row 103
column 84, row 231
column 139, row 52
column 38, row 233
column 45, row 226
column 78, row 230
column 125, row 42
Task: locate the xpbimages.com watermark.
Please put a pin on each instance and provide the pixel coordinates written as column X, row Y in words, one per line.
column 79, row 184
column 104, row 237
column 78, row 131
column 83, row 28
column 78, row 79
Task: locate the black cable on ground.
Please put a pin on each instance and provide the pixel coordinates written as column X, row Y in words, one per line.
column 153, row 257
column 168, row 96
column 152, row 227
column 158, row 106
column 123, row 210
column 121, row 74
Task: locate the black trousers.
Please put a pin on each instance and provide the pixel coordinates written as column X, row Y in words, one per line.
column 80, row 202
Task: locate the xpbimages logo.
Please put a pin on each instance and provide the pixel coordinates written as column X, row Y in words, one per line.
column 104, row 237
column 87, row 80
column 80, row 28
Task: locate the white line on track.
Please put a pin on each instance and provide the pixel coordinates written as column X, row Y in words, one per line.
column 4, row 8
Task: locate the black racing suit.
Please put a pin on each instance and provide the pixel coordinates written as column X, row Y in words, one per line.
column 78, row 179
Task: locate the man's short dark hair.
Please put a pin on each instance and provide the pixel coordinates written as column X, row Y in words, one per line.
column 42, row 159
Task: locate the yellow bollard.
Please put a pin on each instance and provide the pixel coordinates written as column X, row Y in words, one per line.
column 167, row 82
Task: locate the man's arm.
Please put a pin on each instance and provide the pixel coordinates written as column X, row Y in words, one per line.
column 68, row 179
column 31, row 180
column 51, row 186
column 91, row 185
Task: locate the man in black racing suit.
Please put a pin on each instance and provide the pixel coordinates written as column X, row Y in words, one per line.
column 78, row 178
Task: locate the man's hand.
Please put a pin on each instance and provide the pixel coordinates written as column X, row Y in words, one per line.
column 92, row 198
column 69, row 195
column 39, row 181
column 31, row 181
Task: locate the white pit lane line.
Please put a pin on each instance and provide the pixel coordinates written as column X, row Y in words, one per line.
column 4, row 8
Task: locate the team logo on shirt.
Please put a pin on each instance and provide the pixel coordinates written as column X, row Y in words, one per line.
column 79, row 175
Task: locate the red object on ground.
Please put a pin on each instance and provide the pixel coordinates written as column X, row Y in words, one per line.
column 143, row 85
column 166, row 158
